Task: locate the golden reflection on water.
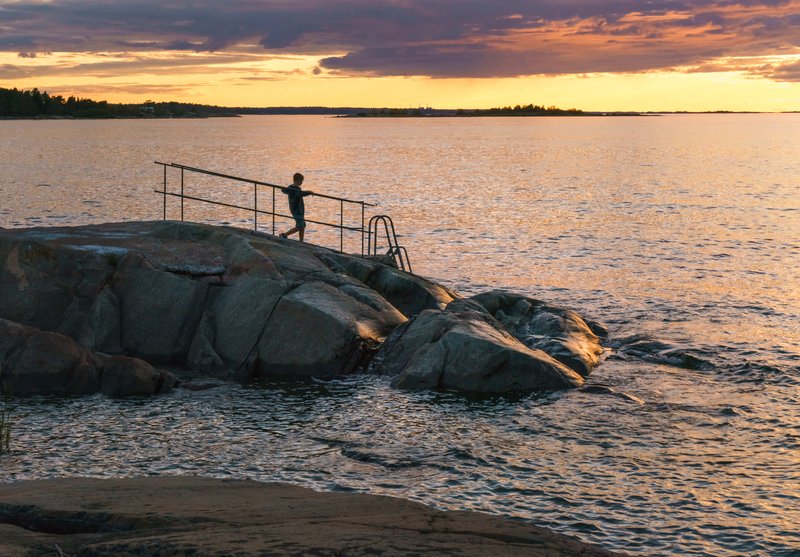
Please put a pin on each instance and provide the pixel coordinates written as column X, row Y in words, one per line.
column 699, row 211
column 684, row 229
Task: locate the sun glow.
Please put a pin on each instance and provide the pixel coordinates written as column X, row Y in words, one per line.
column 252, row 78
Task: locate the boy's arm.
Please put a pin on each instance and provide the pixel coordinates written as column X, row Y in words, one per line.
column 307, row 193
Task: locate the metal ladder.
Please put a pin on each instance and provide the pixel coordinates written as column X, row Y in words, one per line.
column 398, row 253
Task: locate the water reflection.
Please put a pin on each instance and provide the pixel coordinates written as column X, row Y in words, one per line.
column 676, row 231
column 667, row 476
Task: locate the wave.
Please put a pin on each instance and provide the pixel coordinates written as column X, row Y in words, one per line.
column 738, row 365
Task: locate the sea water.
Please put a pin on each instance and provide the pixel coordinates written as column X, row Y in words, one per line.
column 680, row 232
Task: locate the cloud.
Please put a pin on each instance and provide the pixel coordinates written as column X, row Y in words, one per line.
column 785, row 72
column 446, row 38
column 138, row 89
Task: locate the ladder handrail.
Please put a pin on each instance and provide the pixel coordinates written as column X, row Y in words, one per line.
column 394, row 249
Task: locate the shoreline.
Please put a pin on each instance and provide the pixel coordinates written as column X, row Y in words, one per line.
column 187, row 515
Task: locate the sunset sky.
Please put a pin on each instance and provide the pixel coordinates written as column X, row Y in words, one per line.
column 587, row 54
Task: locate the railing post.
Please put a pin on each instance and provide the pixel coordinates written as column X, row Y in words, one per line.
column 165, row 192
column 273, row 211
column 341, row 226
column 362, row 228
column 255, row 206
column 181, row 194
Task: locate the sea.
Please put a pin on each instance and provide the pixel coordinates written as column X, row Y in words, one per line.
column 679, row 232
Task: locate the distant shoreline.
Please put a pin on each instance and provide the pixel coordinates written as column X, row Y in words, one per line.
column 62, row 117
column 369, row 116
column 349, row 115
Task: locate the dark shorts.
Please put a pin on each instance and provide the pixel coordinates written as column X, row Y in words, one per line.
column 299, row 221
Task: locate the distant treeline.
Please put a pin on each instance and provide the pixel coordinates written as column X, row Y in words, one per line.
column 35, row 104
column 15, row 103
column 518, row 110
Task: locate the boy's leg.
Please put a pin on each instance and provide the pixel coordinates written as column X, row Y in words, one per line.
column 300, row 225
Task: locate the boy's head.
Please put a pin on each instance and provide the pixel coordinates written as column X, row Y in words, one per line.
column 298, row 178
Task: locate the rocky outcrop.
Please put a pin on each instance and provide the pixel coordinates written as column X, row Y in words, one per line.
column 181, row 515
column 36, row 362
column 466, row 351
column 213, row 299
column 242, row 304
column 559, row 331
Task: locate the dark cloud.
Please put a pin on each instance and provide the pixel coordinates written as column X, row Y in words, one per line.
column 443, row 38
column 785, row 72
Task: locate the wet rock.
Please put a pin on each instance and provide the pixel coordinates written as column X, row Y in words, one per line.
column 464, row 351
column 122, row 376
column 49, row 363
column 34, row 362
column 606, row 390
column 660, row 352
column 558, row 331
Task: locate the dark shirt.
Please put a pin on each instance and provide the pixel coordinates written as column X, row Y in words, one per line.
column 296, row 195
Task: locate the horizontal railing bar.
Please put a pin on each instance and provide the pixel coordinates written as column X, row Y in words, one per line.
column 258, row 182
column 162, row 192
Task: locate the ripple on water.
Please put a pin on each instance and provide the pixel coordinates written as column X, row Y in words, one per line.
column 687, row 459
column 700, row 257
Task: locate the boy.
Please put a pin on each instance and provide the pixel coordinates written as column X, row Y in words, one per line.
column 296, row 205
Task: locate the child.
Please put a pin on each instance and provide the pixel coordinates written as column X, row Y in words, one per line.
column 296, row 205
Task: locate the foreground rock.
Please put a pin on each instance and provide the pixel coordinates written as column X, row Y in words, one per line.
column 161, row 516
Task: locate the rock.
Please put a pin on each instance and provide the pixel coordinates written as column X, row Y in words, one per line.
column 660, row 352
column 105, row 322
column 189, row 515
column 36, row 281
column 465, row 351
column 12, row 335
column 160, row 311
column 408, row 293
column 606, row 390
column 49, row 363
column 34, row 362
column 319, row 330
column 202, row 296
column 238, row 303
column 560, row 332
column 123, row 376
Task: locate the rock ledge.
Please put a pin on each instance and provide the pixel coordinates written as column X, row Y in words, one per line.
column 182, row 515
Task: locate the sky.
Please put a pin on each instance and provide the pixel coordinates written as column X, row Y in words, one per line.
column 592, row 55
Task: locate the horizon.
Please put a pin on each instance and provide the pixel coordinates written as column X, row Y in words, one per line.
column 614, row 56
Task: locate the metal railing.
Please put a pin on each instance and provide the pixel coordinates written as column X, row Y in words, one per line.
column 370, row 234
column 255, row 208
